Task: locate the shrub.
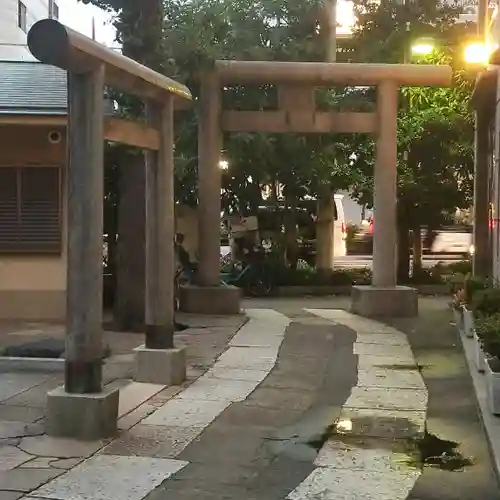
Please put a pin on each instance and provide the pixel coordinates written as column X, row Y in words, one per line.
column 473, row 285
column 486, row 302
column 488, row 331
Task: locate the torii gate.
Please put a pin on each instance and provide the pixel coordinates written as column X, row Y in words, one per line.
column 297, row 113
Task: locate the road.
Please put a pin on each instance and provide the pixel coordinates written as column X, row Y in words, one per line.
column 367, row 260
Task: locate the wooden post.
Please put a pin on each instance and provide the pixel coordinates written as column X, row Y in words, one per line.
column 481, row 262
column 85, row 172
column 385, row 187
column 160, row 230
column 209, row 178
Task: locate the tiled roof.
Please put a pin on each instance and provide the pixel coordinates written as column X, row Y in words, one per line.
column 32, row 88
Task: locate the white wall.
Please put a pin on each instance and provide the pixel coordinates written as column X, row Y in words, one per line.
column 13, row 38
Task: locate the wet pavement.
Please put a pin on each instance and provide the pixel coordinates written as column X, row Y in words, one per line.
column 305, row 402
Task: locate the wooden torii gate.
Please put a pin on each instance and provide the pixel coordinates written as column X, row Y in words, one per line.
column 83, row 407
column 297, row 113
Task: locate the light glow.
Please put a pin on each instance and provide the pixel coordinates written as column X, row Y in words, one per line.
column 478, row 53
column 422, row 49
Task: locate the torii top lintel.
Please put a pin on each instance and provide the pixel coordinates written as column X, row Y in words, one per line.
column 320, row 74
column 53, row 43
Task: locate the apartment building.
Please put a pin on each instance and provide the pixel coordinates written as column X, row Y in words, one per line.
column 17, row 18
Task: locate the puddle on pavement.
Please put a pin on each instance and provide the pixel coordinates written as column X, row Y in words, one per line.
column 440, row 454
column 413, row 452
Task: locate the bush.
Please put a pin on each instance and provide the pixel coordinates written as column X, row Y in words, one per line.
column 285, row 276
column 473, row 285
column 488, row 331
column 486, row 302
column 425, row 277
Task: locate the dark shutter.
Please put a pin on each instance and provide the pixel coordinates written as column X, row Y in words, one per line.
column 30, row 204
column 9, row 209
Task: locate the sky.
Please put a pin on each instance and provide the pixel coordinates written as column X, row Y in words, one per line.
column 79, row 17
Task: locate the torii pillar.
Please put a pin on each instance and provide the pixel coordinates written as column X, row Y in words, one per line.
column 383, row 297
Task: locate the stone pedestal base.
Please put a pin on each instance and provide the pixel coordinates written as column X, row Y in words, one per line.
column 210, row 299
column 160, row 366
column 82, row 416
column 372, row 301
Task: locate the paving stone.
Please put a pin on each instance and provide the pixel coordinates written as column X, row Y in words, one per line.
column 289, row 399
column 229, row 473
column 381, row 423
column 47, row 446
column 186, row 490
column 10, row 441
column 65, row 463
column 211, row 389
column 399, row 379
column 223, row 443
column 10, row 495
column 12, row 384
column 249, row 358
column 135, row 416
column 387, row 362
column 280, row 478
column 27, row 479
column 153, row 441
column 134, row 394
column 344, row 484
column 236, row 374
column 257, row 416
column 394, row 399
column 11, row 457
column 27, row 414
column 363, row 454
column 382, row 338
column 165, row 395
column 36, row 397
column 108, row 477
column 187, row 413
column 19, row 429
column 38, row 463
column 396, row 351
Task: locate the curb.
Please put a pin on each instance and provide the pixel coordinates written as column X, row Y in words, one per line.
column 51, row 365
column 488, row 421
column 318, row 291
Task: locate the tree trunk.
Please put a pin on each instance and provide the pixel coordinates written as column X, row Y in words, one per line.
column 291, row 235
column 417, row 249
column 141, row 34
column 130, row 254
column 403, row 253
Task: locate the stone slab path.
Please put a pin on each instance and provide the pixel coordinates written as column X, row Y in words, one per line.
column 311, row 404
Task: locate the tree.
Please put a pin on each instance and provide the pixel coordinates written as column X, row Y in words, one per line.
column 140, row 31
column 435, row 126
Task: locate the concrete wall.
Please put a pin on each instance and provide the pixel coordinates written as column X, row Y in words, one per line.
column 12, row 38
column 32, row 286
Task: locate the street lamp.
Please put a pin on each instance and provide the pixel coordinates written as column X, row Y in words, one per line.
column 423, row 46
column 479, row 52
column 422, row 49
column 223, row 164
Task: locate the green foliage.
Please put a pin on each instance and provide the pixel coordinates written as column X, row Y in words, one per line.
column 486, row 302
column 488, row 330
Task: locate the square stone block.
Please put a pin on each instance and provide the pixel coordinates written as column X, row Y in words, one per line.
column 160, row 366
column 373, row 301
column 82, row 416
column 210, row 299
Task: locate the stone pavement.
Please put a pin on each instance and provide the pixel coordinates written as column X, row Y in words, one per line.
column 312, row 404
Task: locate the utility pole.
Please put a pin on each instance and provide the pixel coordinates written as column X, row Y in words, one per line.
column 482, row 258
